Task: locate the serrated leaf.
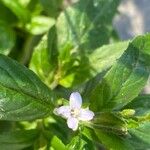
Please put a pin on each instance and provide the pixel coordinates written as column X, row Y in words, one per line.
column 125, row 79
column 17, row 140
column 7, row 38
column 22, row 95
column 21, row 12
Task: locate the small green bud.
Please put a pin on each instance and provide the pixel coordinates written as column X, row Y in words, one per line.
column 127, row 112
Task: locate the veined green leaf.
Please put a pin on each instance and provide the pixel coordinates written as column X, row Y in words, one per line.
column 22, row 95
column 126, row 78
column 17, row 140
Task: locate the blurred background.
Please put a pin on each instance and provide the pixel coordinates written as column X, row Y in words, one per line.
column 133, row 18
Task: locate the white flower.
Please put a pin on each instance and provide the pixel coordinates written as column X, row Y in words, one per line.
column 74, row 113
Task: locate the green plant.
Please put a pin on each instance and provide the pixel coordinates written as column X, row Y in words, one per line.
column 49, row 50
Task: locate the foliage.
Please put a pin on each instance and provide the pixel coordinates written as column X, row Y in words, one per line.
column 48, row 50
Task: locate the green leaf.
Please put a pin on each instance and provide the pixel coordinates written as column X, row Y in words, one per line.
column 80, row 143
column 57, row 144
column 140, row 137
column 24, row 2
column 104, row 57
column 21, row 12
column 52, row 7
column 110, row 122
column 52, row 47
column 22, row 95
column 125, row 79
column 112, row 141
column 90, row 134
column 82, row 28
column 7, row 38
column 39, row 62
column 6, row 15
column 73, row 63
column 141, row 105
column 76, row 143
column 17, row 140
column 44, row 59
column 85, row 24
column 88, row 86
column 99, row 64
column 5, row 126
column 39, row 25
column 91, row 65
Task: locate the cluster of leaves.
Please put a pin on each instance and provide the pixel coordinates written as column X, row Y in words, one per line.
column 70, row 48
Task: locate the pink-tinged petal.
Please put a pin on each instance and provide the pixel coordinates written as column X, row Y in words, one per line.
column 75, row 100
column 63, row 111
column 72, row 123
column 86, row 115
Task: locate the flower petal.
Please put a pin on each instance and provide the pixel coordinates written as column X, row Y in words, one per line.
column 86, row 115
column 72, row 123
column 63, row 111
column 75, row 100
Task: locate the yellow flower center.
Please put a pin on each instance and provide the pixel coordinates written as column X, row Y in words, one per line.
column 75, row 112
